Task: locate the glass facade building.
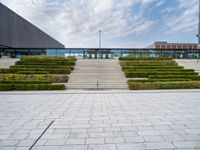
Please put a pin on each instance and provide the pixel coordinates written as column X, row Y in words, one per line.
column 109, row 53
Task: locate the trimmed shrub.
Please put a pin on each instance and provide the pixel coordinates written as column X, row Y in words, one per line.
column 152, row 67
column 164, row 85
column 41, row 62
column 37, row 73
column 159, row 80
column 48, row 77
column 147, row 74
column 29, row 87
column 162, row 73
column 148, row 63
column 42, row 67
column 160, row 70
column 32, row 72
column 52, row 58
column 193, row 77
column 24, row 82
column 36, row 70
column 71, row 58
column 32, row 63
column 6, row 87
column 145, row 58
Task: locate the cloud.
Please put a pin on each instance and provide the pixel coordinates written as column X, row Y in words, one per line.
column 145, row 2
column 157, row 3
column 185, row 20
column 77, row 21
column 160, row 3
column 168, row 10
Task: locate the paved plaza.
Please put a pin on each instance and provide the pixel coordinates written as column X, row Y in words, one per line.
column 104, row 120
column 6, row 62
column 190, row 64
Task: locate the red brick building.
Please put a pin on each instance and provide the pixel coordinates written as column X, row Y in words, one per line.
column 165, row 45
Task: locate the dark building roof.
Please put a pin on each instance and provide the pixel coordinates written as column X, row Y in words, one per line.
column 16, row 32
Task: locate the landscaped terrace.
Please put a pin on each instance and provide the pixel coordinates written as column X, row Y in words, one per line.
column 37, row 73
column 158, row 73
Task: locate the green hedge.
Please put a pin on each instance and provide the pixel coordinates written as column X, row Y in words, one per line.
column 193, row 77
column 46, row 58
column 148, row 63
column 36, row 70
column 145, row 58
column 160, row 70
column 43, row 66
column 37, row 73
column 44, row 62
column 71, row 58
column 162, row 73
column 24, row 82
column 32, row 63
column 29, row 87
column 6, row 87
column 32, row 72
column 48, row 77
column 39, row 57
column 160, row 80
column 147, row 74
column 164, row 85
column 152, row 67
column 150, row 60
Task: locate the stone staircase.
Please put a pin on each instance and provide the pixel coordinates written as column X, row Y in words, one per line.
column 7, row 62
column 97, row 74
column 190, row 64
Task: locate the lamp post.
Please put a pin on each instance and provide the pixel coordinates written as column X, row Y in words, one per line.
column 98, row 53
column 199, row 28
column 198, row 35
column 100, row 39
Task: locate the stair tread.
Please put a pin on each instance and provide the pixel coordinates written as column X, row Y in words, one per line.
column 86, row 73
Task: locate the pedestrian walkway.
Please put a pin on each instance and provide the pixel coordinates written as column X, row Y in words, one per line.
column 97, row 73
column 92, row 120
column 190, row 64
column 7, row 62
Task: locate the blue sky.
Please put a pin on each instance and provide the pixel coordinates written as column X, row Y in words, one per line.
column 124, row 23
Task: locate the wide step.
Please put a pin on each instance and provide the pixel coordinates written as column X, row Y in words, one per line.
column 97, row 74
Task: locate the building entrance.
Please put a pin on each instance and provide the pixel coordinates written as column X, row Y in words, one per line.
column 97, row 54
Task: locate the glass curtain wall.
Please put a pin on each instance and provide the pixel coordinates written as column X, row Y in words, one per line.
column 102, row 53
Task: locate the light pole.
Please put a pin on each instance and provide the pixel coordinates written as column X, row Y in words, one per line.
column 198, row 35
column 100, row 39
column 99, row 53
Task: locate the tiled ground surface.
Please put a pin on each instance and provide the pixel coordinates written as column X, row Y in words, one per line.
column 101, row 121
column 5, row 63
column 190, row 64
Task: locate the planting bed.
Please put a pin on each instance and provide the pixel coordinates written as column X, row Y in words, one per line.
column 37, row 73
column 162, row 73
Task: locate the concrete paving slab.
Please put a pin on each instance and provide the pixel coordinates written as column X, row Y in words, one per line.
column 159, row 119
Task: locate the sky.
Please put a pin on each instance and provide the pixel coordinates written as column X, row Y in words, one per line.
column 124, row 23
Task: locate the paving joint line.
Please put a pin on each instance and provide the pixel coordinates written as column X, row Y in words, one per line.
column 107, row 92
column 41, row 135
